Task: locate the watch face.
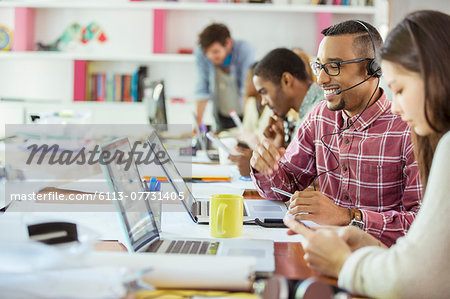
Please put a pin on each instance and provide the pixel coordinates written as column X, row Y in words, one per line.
column 357, row 223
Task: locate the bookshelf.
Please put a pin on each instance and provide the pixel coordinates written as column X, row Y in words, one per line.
column 197, row 6
column 152, row 32
column 50, row 55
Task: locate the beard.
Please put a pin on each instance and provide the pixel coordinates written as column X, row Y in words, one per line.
column 336, row 107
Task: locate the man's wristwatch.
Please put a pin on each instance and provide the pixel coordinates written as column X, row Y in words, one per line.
column 356, row 218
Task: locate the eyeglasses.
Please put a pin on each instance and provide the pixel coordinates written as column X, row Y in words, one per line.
column 333, row 68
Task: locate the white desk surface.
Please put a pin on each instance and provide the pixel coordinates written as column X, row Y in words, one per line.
column 177, row 225
column 175, row 221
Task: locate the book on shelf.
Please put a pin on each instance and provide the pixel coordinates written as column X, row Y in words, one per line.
column 134, row 86
column 110, row 87
column 343, row 2
column 101, row 87
column 113, row 87
column 126, row 88
column 118, row 88
column 142, row 74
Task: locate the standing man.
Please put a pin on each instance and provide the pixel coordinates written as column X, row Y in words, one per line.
column 360, row 152
column 222, row 65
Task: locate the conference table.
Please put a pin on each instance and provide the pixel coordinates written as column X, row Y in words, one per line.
column 289, row 261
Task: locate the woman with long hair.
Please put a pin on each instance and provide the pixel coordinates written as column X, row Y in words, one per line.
column 416, row 65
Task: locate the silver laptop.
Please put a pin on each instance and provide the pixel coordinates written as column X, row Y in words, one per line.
column 141, row 219
column 199, row 209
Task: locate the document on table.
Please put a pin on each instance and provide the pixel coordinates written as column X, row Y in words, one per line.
column 206, row 170
column 86, row 282
column 178, row 225
column 205, row 190
column 189, row 170
column 91, row 184
column 183, row 271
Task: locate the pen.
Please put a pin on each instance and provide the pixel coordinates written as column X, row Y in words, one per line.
column 192, row 179
column 281, row 192
column 236, row 119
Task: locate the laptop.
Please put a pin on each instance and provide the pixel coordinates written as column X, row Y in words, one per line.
column 198, row 210
column 141, row 219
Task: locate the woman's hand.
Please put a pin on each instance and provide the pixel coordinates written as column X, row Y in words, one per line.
column 325, row 251
column 355, row 237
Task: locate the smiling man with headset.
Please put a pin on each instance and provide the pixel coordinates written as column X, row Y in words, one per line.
column 352, row 144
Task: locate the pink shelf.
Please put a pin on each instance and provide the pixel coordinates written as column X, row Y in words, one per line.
column 79, row 80
column 23, row 29
column 323, row 20
column 159, row 31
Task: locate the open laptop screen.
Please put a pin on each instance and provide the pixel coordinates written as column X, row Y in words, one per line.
column 170, row 170
column 126, row 182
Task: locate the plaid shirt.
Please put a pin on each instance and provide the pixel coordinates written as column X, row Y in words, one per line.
column 377, row 170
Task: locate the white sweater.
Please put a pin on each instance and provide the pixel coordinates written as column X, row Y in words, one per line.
column 418, row 265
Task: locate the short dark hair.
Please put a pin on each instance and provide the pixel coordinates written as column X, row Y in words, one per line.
column 213, row 33
column 362, row 45
column 279, row 61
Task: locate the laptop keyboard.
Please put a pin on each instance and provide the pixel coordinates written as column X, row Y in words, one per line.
column 184, row 247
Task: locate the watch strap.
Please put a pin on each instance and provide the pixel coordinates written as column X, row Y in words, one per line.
column 356, row 218
column 356, row 215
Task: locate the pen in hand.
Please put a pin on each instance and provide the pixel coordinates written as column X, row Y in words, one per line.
column 282, row 192
column 290, row 197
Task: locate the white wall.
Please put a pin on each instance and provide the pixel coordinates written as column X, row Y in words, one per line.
column 129, row 31
column 400, row 8
column 264, row 30
column 36, row 80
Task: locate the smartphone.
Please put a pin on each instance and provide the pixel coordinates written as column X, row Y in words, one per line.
column 220, row 144
column 243, row 145
column 293, row 217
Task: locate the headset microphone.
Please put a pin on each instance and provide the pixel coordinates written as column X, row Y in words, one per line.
column 339, row 91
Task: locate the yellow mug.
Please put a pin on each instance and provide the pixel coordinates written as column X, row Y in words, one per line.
column 226, row 215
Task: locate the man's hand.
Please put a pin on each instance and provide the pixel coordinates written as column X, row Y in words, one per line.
column 248, row 137
column 275, row 131
column 320, row 208
column 201, row 106
column 266, row 156
column 242, row 161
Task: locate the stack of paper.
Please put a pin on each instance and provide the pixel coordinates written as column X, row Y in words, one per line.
column 184, row 271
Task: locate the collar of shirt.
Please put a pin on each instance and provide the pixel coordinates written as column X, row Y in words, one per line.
column 227, row 61
column 369, row 115
column 312, row 97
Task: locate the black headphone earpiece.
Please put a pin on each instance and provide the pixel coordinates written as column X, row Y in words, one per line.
column 374, row 69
